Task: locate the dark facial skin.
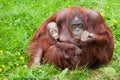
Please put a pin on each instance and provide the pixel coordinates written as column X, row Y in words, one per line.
column 79, row 32
column 77, row 26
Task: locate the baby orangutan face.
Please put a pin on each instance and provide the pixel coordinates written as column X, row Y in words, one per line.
column 53, row 30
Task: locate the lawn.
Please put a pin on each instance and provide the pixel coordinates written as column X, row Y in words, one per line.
column 19, row 19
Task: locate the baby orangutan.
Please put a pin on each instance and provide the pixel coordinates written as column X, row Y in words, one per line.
column 49, row 40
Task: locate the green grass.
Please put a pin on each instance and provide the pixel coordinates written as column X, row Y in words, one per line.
column 20, row 18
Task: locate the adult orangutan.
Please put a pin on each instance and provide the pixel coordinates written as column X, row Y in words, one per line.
column 82, row 26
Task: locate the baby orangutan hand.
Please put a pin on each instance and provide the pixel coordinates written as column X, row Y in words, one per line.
column 77, row 51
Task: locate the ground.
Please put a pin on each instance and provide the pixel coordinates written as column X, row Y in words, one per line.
column 19, row 19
